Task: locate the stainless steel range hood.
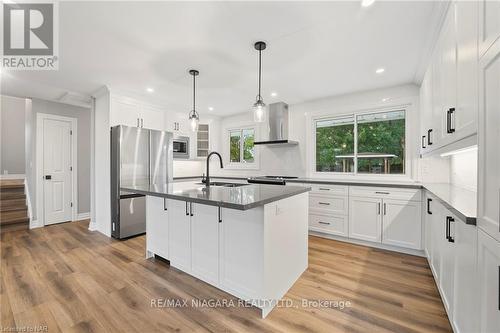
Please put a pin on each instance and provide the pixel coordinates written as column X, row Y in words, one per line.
column 278, row 126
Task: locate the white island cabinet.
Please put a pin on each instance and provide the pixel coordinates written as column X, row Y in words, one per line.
column 255, row 254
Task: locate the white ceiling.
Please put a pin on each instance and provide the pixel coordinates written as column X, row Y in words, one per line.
column 315, row 49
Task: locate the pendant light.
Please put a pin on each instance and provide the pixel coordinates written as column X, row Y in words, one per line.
column 194, row 117
column 259, row 107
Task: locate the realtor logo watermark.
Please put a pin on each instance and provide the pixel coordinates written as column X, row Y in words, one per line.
column 30, row 36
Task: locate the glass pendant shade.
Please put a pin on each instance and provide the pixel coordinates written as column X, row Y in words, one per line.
column 194, row 121
column 259, row 111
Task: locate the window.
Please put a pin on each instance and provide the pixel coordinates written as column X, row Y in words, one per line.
column 366, row 143
column 241, row 145
column 335, row 145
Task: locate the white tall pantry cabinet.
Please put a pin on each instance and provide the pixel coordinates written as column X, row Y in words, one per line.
column 460, row 96
column 489, row 167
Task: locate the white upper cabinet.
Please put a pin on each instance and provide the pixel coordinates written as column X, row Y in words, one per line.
column 130, row 112
column 466, row 13
column 124, row 113
column 426, row 107
column 489, row 24
column 449, row 92
column 489, row 139
column 152, row 118
column 447, row 71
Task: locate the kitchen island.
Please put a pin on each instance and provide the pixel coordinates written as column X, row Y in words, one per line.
column 249, row 240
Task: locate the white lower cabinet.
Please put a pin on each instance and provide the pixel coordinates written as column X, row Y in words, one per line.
column 465, row 310
column 401, row 224
column 488, row 283
column 157, row 213
column 241, row 252
column 447, row 274
column 451, row 247
column 365, row 219
column 331, row 224
column 205, row 243
column 179, row 234
column 388, row 221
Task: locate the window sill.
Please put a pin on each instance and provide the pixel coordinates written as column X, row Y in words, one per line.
column 361, row 177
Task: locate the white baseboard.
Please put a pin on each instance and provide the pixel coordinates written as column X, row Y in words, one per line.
column 92, row 226
column 35, row 224
column 419, row 253
column 83, row 216
column 13, row 176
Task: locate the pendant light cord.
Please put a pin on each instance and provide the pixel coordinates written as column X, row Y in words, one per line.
column 259, row 97
column 194, row 93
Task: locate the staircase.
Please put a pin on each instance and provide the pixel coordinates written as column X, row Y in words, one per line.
column 13, row 209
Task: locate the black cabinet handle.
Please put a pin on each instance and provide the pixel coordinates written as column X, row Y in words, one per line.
column 449, row 128
column 423, row 141
column 447, row 227
column 164, row 203
column 377, row 192
column 449, row 219
column 452, row 125
column 48, row 177
column 324, row 189
column 429, row 141
column 220, row 217
column 191, row 209
column 321, row 222
column 450, row 239
column 429, row 200
column 324, row 203
column 385, row 208
column 187, row 214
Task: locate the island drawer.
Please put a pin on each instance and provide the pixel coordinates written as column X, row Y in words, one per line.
column 329, row 189
column 330, row 224
column 332, row 204
column 408, row 194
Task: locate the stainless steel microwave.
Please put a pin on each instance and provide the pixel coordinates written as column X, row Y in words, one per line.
column 181, row 147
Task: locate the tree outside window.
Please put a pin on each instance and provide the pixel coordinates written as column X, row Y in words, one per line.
column 241, row 145
column 381, row 145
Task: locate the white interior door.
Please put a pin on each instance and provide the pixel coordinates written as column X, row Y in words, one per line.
column 57, row 171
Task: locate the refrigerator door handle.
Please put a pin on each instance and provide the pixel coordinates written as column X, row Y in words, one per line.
column 191, row 209
column 187, row 214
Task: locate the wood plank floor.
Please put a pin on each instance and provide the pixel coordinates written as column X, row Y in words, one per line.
column 69, row 279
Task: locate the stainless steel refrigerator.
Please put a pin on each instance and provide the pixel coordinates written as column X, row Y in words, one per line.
column 139, row 156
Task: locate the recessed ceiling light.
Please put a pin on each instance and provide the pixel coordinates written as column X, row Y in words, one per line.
column 210, row 108
column 380, row 70
column 150, row 90
column 274, row 94
column 367, row 3
column 385, row 99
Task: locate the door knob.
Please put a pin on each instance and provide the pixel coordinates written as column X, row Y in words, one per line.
column 48, row 177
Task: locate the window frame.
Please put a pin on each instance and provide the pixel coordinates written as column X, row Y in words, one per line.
column 355, row 115
column 241, row 165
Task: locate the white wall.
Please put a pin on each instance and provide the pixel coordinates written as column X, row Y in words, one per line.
column 296, row 160
column 12, row 139
column 463, row 170
column 101, row 216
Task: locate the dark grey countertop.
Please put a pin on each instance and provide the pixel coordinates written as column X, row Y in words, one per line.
column 241, row 198
column 460, row 201
column 396, row 184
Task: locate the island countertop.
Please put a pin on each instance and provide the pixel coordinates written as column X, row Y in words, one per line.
column 241, row 197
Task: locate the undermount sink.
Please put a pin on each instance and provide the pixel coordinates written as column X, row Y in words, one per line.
column 223, row 184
